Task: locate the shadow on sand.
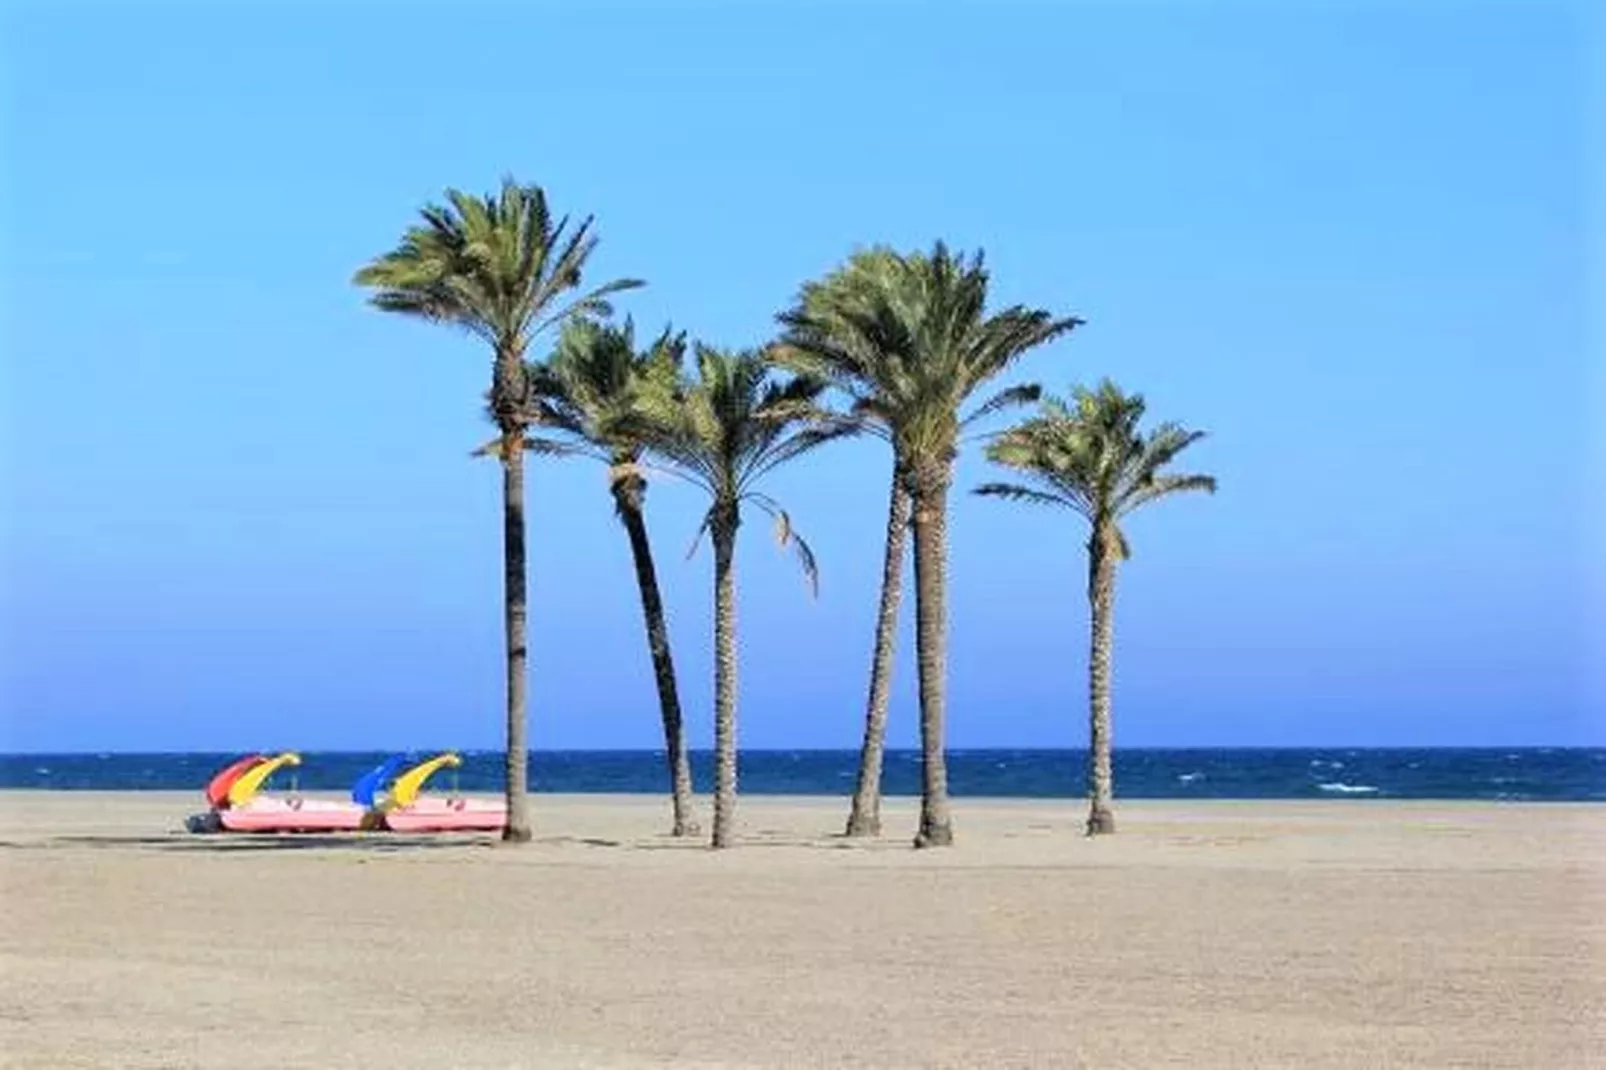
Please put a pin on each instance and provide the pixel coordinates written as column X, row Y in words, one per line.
column 199, row 836
column 226, row 844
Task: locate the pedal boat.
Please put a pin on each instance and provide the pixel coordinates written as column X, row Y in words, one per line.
column 248, row 810
column 406, row 809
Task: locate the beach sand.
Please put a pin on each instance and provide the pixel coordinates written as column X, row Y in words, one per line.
column 1334, row 934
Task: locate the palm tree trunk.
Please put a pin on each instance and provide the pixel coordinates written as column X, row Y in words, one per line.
column 724, row 537
column 931, row 640
column 865, row 817
column 514, row 596
column 627, row 498
column 1101, row 601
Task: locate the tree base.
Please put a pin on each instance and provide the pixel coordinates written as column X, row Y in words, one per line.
column 863, row 826
column 517, row 834
column 934, row 836
column 1100, row 822
column 684, row 829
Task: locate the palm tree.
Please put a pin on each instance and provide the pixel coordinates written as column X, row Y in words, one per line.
column 502, row 269
column 591, row 392
column 813, row 315
column 724, row 432
column 909, row 340
column 1090, row 456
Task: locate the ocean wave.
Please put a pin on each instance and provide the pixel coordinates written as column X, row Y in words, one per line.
column 1341, row 788
column 1189, row 778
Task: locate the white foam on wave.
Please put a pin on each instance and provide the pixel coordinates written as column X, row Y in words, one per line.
column 1189, row 778
column 1342, row 788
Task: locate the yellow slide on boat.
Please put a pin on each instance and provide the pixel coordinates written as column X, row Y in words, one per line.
column 404, row 791
column 251, row 782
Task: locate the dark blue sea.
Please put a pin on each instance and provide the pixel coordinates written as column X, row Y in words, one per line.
column 1550, row 774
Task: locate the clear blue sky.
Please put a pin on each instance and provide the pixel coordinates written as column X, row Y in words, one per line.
column 1349, row 240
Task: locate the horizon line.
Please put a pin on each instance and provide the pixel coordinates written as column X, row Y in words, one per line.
column 97, row 753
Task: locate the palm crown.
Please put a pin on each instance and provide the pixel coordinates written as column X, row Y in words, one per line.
column 909, row 340
column 498, row 266
column 597, row 387
column 729, row 427
column 1090, row 455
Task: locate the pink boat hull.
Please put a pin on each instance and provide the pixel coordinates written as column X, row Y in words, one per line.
column 448, row 815
column 285, row 815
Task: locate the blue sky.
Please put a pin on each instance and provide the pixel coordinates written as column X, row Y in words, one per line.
column 1349, row 240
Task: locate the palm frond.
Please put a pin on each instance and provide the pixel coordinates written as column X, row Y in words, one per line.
column 788, row 537
column 1163, row 486
column 697, row 536
column 829, row 428
column 1018, row 493
column 551, row 447
column 594, row 303
column 1008, row 398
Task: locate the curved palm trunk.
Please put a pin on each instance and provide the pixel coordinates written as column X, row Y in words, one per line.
column 865, row 817
column 931, row 639
column 1101, row 602
column 627, row 498
column 517, row 829
column 724, row 537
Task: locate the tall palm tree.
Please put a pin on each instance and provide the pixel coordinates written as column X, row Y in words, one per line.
column 909, row 340
column 813, row 315
column 591, row 392
column 501, row 268
column 724, row 431
column 1090, row 456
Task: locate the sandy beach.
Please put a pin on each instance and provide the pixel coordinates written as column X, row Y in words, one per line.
column 1342, row 934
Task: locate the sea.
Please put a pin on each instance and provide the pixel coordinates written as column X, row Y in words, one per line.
column 1527, row 774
